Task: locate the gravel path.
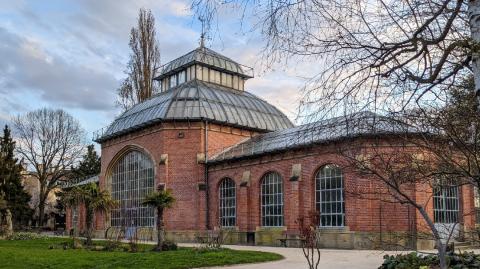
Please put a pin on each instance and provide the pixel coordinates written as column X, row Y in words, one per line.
column 330, row 258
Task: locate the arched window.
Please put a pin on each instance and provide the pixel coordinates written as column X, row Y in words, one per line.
column 329, row 196
column 132, row 180
column 272, row 200
column 227, row 202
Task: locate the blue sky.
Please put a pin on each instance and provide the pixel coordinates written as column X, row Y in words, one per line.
column 72, row 54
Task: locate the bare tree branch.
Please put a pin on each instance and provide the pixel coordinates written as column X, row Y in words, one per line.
column 50, row 141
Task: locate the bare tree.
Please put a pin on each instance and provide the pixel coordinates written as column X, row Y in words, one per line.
column 50, row 141
column 383, row 54
column 310, row 239
column 403, row 173
column 144, row 60
column 457, row 126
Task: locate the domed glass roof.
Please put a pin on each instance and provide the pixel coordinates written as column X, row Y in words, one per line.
column 198, row 100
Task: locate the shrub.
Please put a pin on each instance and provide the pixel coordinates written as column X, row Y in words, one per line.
column 133, row 246
column 169, row 245
column 112, row 245
column 413, row 260
column 26, row 236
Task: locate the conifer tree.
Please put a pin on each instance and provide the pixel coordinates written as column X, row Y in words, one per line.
column 15, row 196
column 89, row 165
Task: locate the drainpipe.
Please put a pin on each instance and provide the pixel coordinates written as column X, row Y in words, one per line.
column 207, row 196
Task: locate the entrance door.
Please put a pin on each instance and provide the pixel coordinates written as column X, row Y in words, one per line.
column 446, row 210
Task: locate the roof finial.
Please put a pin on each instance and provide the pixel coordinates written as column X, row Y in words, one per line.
column 202, row 41
column 202, row 35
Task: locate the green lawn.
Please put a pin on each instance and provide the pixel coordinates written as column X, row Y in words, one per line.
column 36, row 254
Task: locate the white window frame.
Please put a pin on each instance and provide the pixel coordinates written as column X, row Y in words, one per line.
column 329, row 196
column 271, row 200
column 132, row 180
column 227, row 202
column 446, row 204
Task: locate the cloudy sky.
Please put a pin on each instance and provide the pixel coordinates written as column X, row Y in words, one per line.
column 72, row 54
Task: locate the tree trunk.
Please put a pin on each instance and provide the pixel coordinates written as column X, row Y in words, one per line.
column 474, row 19
column 89, row 222
column 41, row 207
column 160, row 237
column 441, row 247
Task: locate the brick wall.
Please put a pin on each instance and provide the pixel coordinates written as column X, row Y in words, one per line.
column 365, row 209
column 182, row 173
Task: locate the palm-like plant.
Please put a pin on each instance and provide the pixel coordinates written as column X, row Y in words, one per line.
column 3, row 202
column 94, row 199
column 160, row 200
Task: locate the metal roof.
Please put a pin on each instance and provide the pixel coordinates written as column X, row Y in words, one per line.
column 206, row 57
column 199, row 100
column 79, row 182
column 354, row 125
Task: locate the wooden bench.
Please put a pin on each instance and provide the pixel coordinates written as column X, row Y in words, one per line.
column 205, row 239
column 285, row 240
column 59, row 231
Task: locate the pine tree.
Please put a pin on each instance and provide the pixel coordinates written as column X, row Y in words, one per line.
column 16, row 197
column 89, row 165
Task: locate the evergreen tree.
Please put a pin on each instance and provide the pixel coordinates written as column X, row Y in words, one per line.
column 10, row 181
column 88, row 166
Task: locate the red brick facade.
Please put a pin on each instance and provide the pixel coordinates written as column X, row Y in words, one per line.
column 183, row 144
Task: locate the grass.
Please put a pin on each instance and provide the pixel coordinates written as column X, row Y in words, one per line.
column 36, row 254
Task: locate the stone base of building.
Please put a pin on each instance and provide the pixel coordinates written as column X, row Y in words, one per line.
column 329, row 238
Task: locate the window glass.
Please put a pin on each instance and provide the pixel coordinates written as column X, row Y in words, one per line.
column 199, row 72
column 329, row 196
column 75, row 218
column 173, row 80
column 132, row 180
column 272, row 200
column 181, row 77
column 189, row 74
column 205, row 74
column 223, row 77
column 445, row 204
column 240, row 84
column 227, row 203
column 228, row 82
column 235, row 82
column 216, row 76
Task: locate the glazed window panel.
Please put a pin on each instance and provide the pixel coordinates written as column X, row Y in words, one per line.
column 182, row 77
column 272, row 200
column 445, row 204
column 329, row 198
column 132, row 180
column 235, row 82
column 227, row 203
column 228, row 79
column 200, row 73
column 205, row 72
column 173, row 81
column 75, row 217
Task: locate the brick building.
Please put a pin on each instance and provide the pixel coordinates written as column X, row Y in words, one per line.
column 234, row 161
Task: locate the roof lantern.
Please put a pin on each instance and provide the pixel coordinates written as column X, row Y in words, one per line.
column 200, row 85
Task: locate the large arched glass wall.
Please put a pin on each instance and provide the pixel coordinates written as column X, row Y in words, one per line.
column 227, row 202
column 329, row 196
column 272, row 200
column 132, row 180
